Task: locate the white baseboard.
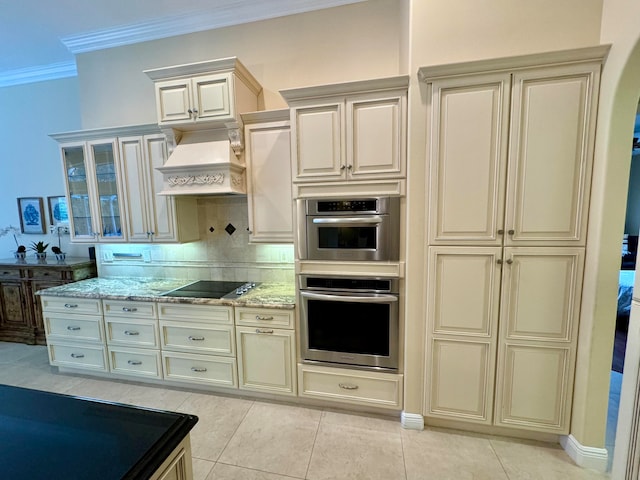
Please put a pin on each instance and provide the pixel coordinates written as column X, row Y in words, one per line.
column 586, row 457
column 412, row 421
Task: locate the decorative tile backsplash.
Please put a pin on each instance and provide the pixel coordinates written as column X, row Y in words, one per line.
column 222, row 253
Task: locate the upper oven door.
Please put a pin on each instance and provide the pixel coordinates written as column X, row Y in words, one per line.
column 357, row 237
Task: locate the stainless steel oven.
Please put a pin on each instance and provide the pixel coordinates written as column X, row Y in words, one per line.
column 365, row 228
column 349, row 321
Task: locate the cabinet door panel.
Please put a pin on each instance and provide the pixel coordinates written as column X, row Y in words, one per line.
column 376, row 132
column 173, row 100
column 541, row 293
column 318, row 151
column 212, row 96
column 468, row 139
column 14, row 310
column 78, row 192
column 133, row 170
column 162, row 213
column 534, row 388
column 461, row 380
column 464, row 290
column 266, row 359
column 269, row 195
column 551, row 149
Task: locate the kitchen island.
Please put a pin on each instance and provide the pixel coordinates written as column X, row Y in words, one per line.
column 48, row 435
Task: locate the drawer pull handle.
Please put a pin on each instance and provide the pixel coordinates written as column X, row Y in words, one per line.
column 259, row 318
column 127, row 309
column 263, row 330
column 198, row 369
column 77, row 355
column 195, row 339
column 134, row 362
column 348, row 386
column 131, row 332
column 70, row 305
column 73, row 328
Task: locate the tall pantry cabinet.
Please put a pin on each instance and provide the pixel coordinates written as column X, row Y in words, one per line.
column 510, row 147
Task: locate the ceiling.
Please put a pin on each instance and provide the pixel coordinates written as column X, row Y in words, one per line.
column 38, row 38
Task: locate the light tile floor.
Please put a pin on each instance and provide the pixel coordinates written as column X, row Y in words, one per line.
column 247, row 439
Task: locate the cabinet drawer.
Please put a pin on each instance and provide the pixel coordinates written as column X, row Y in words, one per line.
column 8, row 272
column 206, row 313
column 200, row 369
column 264, row 317
column 140, row 333
column 351, row 386
column 91, row 357
column 201, row 338
column 76, row 327
column 72, row 305
column 129, row 309
column 46, row 274
column 135, row 362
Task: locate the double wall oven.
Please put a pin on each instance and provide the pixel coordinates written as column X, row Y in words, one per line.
column 350, row 320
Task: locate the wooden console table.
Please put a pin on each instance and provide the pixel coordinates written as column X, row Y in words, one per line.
column 20, row 310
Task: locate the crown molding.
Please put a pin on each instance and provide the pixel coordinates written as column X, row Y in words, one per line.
column 39, row 73
column 220, row 16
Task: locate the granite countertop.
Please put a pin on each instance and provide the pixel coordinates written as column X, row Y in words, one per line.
column 48, row 435
column 271, row 295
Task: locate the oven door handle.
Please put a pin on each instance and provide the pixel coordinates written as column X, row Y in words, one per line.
column 375, row 219
column 348, row 298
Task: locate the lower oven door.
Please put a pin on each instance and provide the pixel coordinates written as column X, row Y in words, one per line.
column 359, row 330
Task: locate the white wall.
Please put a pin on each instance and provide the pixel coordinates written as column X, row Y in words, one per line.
column 30, row 161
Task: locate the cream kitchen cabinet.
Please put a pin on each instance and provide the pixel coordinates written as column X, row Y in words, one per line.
column 94, row 191
column 75, row 333
column 266, row 355
column 131, row 331
column 515, row 311
column 198, row 344
column 268, row 160
column 197, row 95
column 509, row 147
column 350, row 131
column 152, row 217
column 511, row 155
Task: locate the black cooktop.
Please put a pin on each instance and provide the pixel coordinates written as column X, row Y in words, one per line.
column 212, row 289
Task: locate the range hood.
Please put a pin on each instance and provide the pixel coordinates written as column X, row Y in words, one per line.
column 203, row 162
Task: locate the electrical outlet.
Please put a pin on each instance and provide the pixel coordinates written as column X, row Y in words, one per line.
column 146, row 255
column 107, row 255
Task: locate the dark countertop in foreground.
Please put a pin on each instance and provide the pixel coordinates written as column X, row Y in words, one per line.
column 271, row 295
column 47, row 435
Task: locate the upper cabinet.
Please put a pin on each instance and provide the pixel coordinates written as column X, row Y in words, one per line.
column 112, row 188
column 350, row 131
column 204, row 94
column 268, row 160
column 511, row 154
column 94, row 191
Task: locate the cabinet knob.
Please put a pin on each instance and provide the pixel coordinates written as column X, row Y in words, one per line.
column 70, row 305
column 195, row 110
column 134, row 362
column 132, row 333
column 501, row 232
column 190, row 112
column 342, row 167
column 198, row 369
column 73, row 328
column 259, row 318
column 263, row 330
column 511, row 232
column 499, row 261
column 127, row 309
column 510, row 261
column 195, row 339
column 349, row 167
column 77, row 355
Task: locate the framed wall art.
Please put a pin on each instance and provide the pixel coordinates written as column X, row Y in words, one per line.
column 58, row 213
column 31, row 211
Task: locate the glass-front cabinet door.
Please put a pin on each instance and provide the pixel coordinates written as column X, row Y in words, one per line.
column 94, row 191
column 109, row 219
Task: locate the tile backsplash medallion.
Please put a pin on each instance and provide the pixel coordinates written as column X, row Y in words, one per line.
column 218, row 255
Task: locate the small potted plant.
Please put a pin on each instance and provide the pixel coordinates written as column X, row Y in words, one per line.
column 21, row 252
column 40, row 248
column 60, row 255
